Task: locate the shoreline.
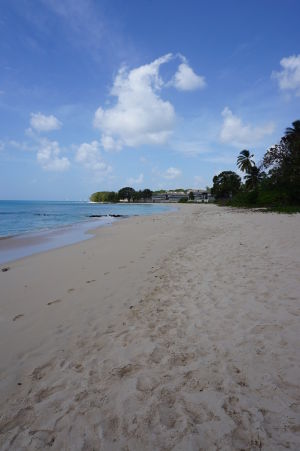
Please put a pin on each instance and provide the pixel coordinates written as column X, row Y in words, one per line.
column 15, row 247
column 172, row 331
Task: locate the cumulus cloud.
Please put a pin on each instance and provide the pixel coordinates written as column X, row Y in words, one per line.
column 289, row 77
column 48, row 156
column 140, row 115
column 41, row 123
column 109, row 143
column 238, row 134
column 185, row 79
column 88, row 154
column 172, row 173
column 136, row 181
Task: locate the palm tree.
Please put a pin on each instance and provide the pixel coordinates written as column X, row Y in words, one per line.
column 244, row 161
column 254, row 177
column 294, row 131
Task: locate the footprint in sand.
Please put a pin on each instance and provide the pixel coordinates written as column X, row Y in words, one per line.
column 106, row 273
column 70, row 290
column 90, row 281
column 56, row 301
column 18, row 316
column 125, row 370
column 121, row 267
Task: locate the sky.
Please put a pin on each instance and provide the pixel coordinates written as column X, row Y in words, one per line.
column 100, row 94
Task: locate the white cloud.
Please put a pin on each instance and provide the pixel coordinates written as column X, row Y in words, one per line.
column 289, row 77
column 48, row 157
column 185, row 79
column 140, row 115
column 88, row 154
column 136, row 181
column 109, row 143
column 21, row 145
column 172, row 173
column 2, row 145
column 238, row 134
column 41, row 123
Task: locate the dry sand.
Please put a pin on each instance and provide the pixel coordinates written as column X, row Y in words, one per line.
column 172, row 332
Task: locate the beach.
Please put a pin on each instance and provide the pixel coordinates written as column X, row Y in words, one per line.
column 177, row 331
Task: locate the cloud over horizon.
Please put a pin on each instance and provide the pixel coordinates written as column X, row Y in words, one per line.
column 136, row 181
column 172, row 173
column 235, row 132
column 48, row 156
column 89, row 155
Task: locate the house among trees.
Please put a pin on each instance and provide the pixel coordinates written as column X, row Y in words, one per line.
column 182, row 196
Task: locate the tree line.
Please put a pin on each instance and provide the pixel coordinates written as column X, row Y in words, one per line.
column 274, row 182
column 126, row 193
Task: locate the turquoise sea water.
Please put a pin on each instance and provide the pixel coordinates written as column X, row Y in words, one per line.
column 19, row 217
column 35, row 226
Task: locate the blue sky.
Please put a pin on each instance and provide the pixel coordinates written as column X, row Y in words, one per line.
column 96, row 95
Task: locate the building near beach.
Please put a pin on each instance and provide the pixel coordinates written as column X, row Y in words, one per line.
column 176, row 196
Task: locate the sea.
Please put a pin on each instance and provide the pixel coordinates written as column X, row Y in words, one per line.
column 36, row 226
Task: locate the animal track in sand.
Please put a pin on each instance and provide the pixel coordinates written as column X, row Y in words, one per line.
column 46, row 393
column 146, row 383
column 78, row 367
column 44, row 436
column 18, row 316
column 70, row 290
column 181, row 359
column 23, row 416
column 105, row 274
column 41, row 371
column 125, row 370
column 90, row 281
column 157, row 354
column 121, row 267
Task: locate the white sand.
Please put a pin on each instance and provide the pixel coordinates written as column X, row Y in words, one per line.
column 173, row 332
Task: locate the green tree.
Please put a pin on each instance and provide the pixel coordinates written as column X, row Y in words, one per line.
column 146, row 193
column 104, row 196
column 191, row 195
column 293, row 133
column 283, row 162
column 253, row 177
column 226, row 184
column 244, row 161
column 94, row 197
column 126, row 193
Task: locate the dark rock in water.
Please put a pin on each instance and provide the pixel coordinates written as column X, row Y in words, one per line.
column 107, row 216
column 6, row 268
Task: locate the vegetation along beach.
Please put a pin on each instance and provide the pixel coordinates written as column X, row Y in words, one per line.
column 149, row 225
